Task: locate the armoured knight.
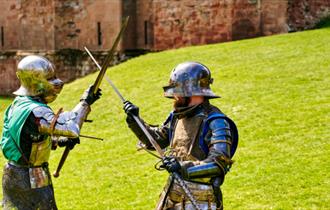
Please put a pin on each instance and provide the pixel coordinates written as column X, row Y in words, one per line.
column 31, row 129
column 201, row 140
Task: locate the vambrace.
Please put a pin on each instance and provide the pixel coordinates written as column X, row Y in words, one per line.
column 158, row 133
column 205, row 170
column 65, row 124
column 82, row 110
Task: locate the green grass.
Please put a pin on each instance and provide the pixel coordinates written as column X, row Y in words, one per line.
column 275, row 88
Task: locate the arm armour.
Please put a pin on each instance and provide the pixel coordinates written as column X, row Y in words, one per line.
column 160, row 134
column 218, row 161
column 66, row 124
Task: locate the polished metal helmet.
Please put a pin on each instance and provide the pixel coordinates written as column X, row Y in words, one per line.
column 37, row 77
column 190, row 79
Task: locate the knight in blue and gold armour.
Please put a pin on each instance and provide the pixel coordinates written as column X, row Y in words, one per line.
column 201, row 140
column 31, row 129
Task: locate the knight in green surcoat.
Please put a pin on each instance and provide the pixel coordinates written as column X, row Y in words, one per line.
column 31, row 129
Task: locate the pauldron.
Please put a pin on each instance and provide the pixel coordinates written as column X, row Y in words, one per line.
column 220, row 138
column 218, row 159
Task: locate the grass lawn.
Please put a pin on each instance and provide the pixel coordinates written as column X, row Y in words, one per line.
column 275, row 88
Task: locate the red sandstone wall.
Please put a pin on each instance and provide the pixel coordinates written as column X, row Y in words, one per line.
column 304, row 14
column 69, row 65
column 49, row 26
column 245, row 19
column 76, row 23
column 144, row 27
column 9, row 22
column 273, row 17
column 130, row 35
column 28, row 25
column 190, row 22
column 9, row 81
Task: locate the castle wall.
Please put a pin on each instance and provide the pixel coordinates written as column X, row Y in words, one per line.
column 27, row 25
column 60, row 29
column 9, row 81
column 273, row 17
column 190, row 22
column 80, row 23
column 304, row 14
column 195, row 22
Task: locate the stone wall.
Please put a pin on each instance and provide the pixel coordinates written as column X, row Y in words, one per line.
column 9, row 82
column 69, row 65
column 273, row 17
column 60, row 29
column 130, row 37
column 80, row 23
column 27, row 25
column 195, row 22
column 245, row 19
column 190, row 22
column 304, row 14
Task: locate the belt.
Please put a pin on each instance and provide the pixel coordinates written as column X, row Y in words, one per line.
column 201, row 192
column 200, row 204
column 13, row 163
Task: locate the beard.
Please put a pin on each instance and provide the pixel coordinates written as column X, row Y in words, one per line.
column 181, row 102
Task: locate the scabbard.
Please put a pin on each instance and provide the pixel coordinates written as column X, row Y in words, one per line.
column 164, row 195
column 61, row 163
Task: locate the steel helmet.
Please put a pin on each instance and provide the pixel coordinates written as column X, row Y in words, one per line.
column 37, row 77
column 190, row 79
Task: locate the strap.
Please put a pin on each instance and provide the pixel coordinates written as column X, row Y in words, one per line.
column 170, row 121
column 20, row 151
column 52, row 124
column 167, row 190
column 221, row 141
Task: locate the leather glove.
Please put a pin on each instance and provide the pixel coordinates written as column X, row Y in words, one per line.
column 89, row 97
column 63, row 142
column 131, row 110
column 171, row 164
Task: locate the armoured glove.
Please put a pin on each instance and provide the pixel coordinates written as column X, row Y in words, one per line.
column 90, row 97
column 63, row 142
column 171, row 164
column 131, row 110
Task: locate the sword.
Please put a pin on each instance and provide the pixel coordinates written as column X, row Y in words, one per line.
column 96, row 85
column 109, row 57
column 150, row 138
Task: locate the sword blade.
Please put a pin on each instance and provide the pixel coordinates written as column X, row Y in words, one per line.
column 109, row 57
column 150, row 138
column 137, row 119
column 105, row 76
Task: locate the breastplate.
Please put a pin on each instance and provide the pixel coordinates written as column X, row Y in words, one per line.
column 40, row 152
column 185, row 137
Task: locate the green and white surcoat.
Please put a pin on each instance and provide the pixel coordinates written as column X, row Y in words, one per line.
column 14, row 119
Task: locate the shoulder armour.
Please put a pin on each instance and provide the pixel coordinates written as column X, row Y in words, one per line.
column 65, row 117
column 43, row 112
column 220, row 129
column 206, row 126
